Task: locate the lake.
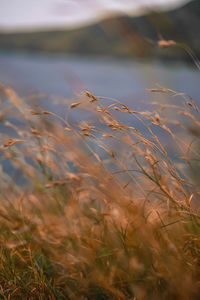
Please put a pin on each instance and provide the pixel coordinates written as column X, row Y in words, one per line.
column 64, row 76
column 126, row 80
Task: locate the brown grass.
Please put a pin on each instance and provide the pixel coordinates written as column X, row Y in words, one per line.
column 99, row 209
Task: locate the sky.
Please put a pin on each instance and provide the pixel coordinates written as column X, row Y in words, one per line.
column 36, row 14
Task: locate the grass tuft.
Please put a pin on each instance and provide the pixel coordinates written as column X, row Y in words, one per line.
column 105, row 206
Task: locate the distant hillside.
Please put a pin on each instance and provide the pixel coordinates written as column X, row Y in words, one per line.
column 119, row 36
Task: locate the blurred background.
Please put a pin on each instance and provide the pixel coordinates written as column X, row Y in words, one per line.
column 113, row 48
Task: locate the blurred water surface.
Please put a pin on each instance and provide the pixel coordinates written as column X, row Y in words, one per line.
column 64, row 76
column 125, row 80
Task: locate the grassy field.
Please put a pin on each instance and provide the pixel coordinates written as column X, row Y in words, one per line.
column 99, row 208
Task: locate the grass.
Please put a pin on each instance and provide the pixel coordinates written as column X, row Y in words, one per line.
column 100, row 209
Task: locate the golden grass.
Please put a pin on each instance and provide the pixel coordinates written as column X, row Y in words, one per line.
column 99, row 209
